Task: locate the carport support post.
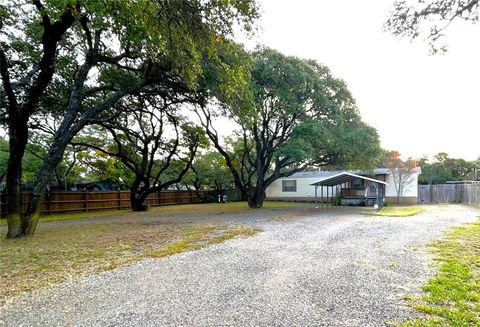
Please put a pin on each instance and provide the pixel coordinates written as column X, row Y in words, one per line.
column 331, row 196
column 327, row 195
column 321, row 197
column 316, row 186
column 334, row 198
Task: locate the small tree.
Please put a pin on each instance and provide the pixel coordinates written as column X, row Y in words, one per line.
column 209, row 172
column 151, row 140
column 403, row 172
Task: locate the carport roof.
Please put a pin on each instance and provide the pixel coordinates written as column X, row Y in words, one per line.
column 343, row 178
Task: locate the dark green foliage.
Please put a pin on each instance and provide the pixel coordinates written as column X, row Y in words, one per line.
column 444, row 169
column 151, row 140
column 209, row 172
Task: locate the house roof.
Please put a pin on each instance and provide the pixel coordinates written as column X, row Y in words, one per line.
column 344, row 177
column 326, row 173
column 314, row 174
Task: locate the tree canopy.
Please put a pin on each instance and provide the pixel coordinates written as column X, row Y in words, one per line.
column 152, row 140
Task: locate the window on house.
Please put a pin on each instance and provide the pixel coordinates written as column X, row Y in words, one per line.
column 289, row 186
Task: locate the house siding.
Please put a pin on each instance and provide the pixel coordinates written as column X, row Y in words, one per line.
column 304, row 192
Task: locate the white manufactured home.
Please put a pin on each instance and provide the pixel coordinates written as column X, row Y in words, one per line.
column 352, row 187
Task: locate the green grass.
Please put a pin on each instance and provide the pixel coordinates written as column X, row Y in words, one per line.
column 452, row 297
column 406, row 211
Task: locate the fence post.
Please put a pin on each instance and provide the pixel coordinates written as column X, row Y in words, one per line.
column 47, row 197
column 119, row 198
column 85, row 201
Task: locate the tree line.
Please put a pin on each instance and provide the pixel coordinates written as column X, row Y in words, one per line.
column 443, row 169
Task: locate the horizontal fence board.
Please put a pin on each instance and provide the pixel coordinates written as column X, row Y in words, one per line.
column 468, row 194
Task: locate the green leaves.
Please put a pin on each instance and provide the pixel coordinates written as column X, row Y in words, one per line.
column 444, row 168
column 315, row 111
column 194, row 135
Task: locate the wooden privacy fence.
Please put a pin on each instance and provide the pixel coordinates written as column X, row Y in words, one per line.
column 65, row 201
column 468, row 194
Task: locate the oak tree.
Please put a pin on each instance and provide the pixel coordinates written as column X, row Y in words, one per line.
column 296, row 115
column 152, row 140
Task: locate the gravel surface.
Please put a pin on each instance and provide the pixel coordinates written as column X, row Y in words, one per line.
column 334, row 268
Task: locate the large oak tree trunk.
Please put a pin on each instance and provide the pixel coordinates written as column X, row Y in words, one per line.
column 255, row 200
column 137, row 202
column 138, row 196
column 18, row 138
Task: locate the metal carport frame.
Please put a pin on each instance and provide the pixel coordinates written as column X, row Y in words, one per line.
column 345, row 177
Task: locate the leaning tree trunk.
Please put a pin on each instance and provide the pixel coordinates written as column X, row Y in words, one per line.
column 18, row 138
column 43, row 178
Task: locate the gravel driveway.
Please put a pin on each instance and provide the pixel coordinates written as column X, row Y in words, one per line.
column 331, row 268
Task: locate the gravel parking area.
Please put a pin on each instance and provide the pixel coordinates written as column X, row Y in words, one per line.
column 328, row 268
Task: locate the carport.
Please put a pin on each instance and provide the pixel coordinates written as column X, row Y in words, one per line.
column 370, row 189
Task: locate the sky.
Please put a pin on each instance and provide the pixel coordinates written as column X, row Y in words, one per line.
column 420, row 104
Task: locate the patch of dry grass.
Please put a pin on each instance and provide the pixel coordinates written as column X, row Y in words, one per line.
column 75, row 245
column 200, row 237
column 398, row 211
column 63, row 251
column 183, row 209
column 77, row 215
